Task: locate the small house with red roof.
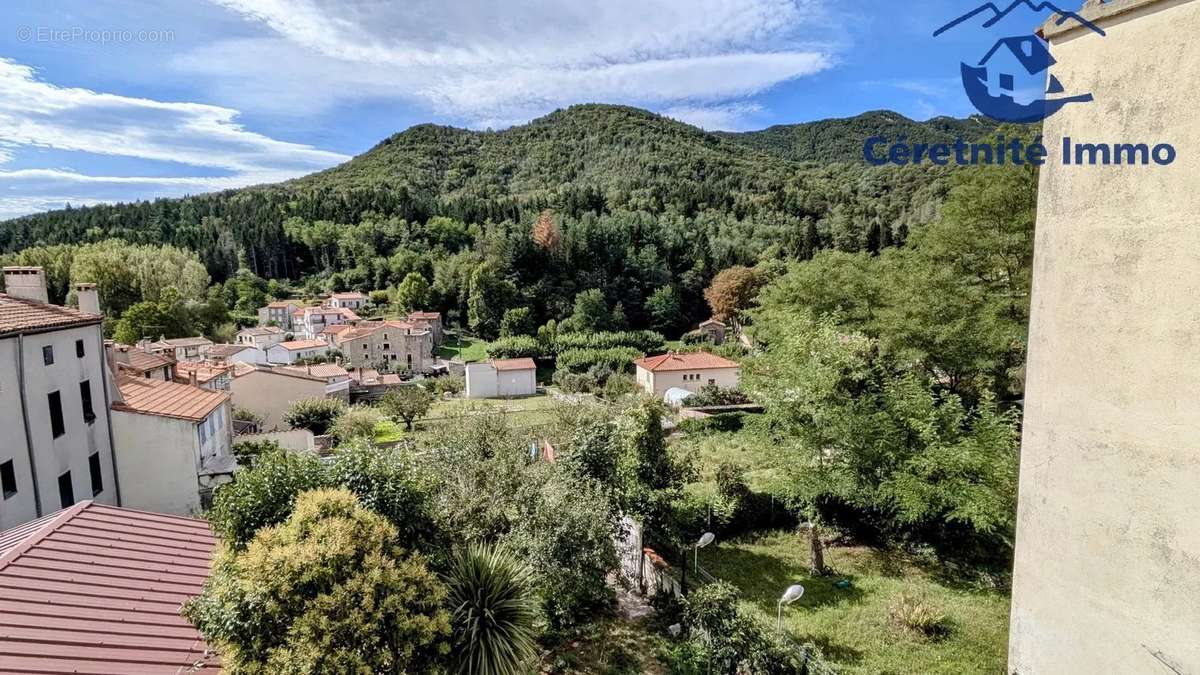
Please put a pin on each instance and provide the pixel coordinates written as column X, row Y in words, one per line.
column 691, row 371
column 502, row 378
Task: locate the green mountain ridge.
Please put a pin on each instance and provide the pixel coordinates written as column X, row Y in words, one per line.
column 741, row 193
column 841, row 139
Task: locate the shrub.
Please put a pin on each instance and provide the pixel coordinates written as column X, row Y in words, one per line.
column 696, row 337
column 643, row 341
column 493, row 612
column 314, row 414
column 575, row 383
column 247, row 452
column 327, row 591
column 263, row 495
column 917, row 614
column 564, row 529
column 616, row 359
column 448, row 384
column 245, row 415
column 712, row 395
column 731, row 640
column 357, row 422
column 515, row 347
column 724, row 422
column 389, row 483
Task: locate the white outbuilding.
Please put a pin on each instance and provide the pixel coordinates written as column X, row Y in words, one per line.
column 502, row 378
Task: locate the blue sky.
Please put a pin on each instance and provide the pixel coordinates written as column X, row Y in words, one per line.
column 108, row 100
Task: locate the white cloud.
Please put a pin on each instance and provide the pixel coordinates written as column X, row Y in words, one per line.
column 37, row 114
column 730, row 117
column 489, row 63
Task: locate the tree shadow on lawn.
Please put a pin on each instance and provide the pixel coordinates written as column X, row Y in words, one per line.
column 763, row 578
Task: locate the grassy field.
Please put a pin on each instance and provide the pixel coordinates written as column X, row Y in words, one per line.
column 853, row 627
column 463, row 348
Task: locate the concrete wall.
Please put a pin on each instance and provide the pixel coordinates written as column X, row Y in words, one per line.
column 20, row 507
column 1107, row 571
column 269, row 394
column 516, row 382
column 481, row 381
column 296, row 440
column 158, row 460
column 69, row 452
column 657, row 383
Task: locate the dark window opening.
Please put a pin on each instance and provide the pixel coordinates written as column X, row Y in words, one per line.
column 66, row 493
column 97, row 478
column 85, row 397
column 48, row 355
column 8, row 479
column 79, row 351
column 56, row 415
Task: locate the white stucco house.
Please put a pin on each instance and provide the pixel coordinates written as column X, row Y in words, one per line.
column 173, row 444
column 350, row 300
column 56, row 447
column 501, row 378
column 691, row 371
column 287, row 353
column 261, row 337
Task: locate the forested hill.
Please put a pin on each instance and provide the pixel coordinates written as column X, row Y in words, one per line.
column 841, row 140
column 637, row 202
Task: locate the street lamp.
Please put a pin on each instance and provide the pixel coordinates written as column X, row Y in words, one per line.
column 705, row 540
column 792, row 594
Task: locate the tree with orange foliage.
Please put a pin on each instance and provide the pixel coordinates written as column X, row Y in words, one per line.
column 731, row 291
column 546, row 232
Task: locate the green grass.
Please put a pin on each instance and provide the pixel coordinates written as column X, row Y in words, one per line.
column 463, row 348
column 388, row 431
column 528, row 411
column 854, row 627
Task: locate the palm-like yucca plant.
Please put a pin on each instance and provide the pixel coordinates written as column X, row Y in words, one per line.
column 494, row 611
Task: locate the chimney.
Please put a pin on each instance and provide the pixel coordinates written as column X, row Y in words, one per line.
column 26, row 282
column 88, row 298
column 192, row 380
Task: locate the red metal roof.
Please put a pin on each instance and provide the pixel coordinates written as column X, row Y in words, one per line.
column 97, row 589
column 689, row 361
column 514, row 364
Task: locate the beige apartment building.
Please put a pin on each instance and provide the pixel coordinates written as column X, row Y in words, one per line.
column 278, row 314
column 57, row 446
column 1107, row 569
column 397, row 346
column 268, row 391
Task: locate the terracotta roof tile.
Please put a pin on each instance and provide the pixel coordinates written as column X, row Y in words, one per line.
column 514, row 364
column 224, row 351
column 140, row 361
column 205, row 372
column 184, row 342
column 97, row 589
column 688, row 361
column 296, row 345
column 167, row 399
column 325, row 370
column 424, row 316
column 352, row 295
column 261, row 330
column 18, row 315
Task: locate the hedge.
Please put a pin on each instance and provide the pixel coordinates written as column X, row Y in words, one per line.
column 644, row 341
column 617, row 359
column 517, row 347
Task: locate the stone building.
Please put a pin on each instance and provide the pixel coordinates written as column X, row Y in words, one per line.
column 396, row 346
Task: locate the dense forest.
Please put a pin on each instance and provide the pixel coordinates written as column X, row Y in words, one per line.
column 591, row 197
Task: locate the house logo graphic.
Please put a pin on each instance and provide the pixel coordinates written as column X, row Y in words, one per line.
column 994, row 84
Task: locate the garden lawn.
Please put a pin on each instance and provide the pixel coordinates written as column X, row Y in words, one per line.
column 853, row 627
column 463, row 348
column 388, row 431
